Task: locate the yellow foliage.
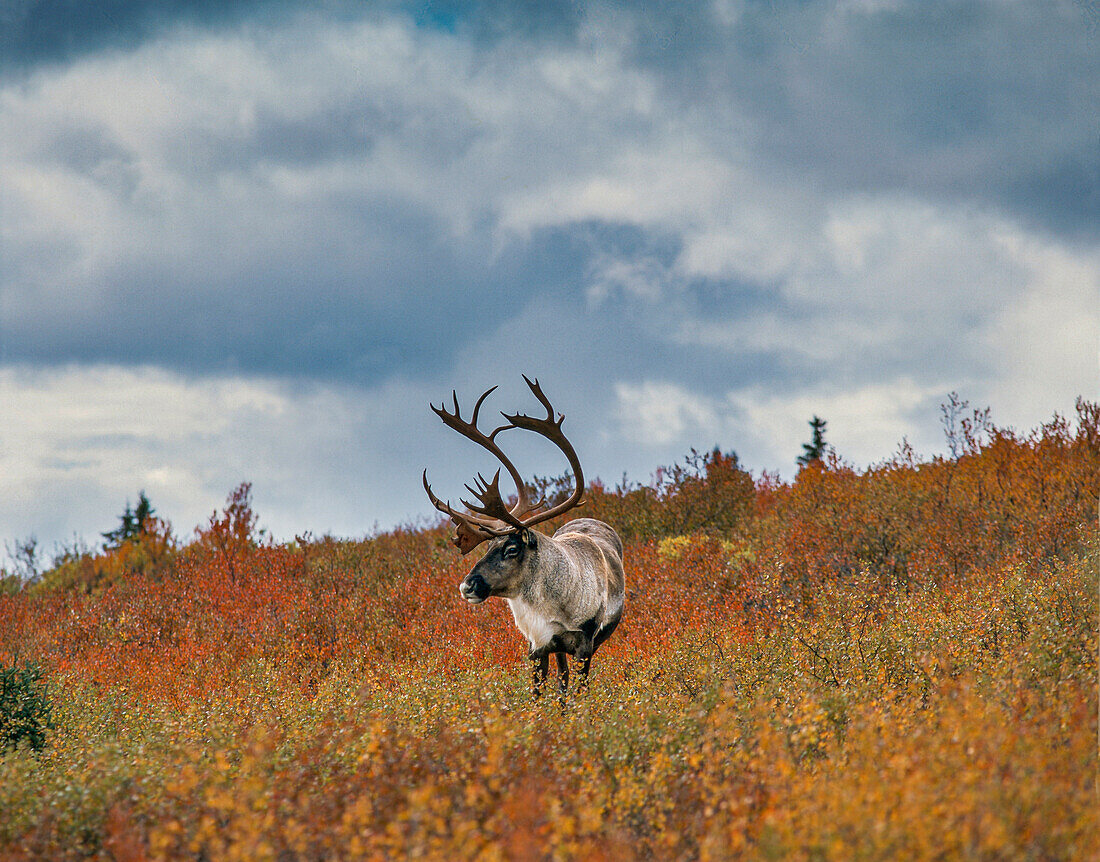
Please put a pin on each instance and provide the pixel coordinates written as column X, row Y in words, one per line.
column 890, row 665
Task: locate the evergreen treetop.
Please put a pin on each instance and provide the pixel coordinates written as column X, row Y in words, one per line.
column 132, row 522
column 815, row 449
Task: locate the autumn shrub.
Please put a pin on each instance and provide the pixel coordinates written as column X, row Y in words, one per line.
column 707, row 493
column 151, row 551
column 898, row 662
column 1005, row 498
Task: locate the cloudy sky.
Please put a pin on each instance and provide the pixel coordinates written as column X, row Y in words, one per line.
column 252, row 240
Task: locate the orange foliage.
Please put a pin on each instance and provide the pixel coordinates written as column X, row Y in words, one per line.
column 895, row 663
column 150, row 551
column 1016, row 499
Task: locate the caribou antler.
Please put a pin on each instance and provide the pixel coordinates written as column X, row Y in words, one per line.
column 470, row 531
column 487, row 441
column 551, row 430
column 492, row 516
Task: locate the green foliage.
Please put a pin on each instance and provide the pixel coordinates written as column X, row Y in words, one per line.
column 10, row 584
column 134, row 522
column 25, row 709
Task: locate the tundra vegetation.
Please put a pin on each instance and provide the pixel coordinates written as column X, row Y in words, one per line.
column 893, row 662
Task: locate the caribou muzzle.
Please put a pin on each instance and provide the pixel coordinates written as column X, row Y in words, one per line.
column 474, row 589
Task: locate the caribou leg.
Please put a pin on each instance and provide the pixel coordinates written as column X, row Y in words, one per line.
column 540, row 667
column 563, row 674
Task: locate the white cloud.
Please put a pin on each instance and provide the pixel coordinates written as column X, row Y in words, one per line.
column 78, row 442
column 960, row 296
column 204, row 159
column 192, row 179
column 1044, row 343
column 864, row 424
column 656, row 414
column 823, row 338
column 644, row 279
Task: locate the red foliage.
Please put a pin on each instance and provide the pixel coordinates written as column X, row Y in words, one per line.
column 748, row 627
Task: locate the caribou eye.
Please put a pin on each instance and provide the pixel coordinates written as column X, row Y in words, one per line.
column 510, row 551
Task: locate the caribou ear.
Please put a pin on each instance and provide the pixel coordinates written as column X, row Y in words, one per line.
column 528, row 538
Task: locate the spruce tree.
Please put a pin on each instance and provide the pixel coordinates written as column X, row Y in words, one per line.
column 815, row 449
column 132, row 522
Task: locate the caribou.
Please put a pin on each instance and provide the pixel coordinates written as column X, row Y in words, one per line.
column 565, row 591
